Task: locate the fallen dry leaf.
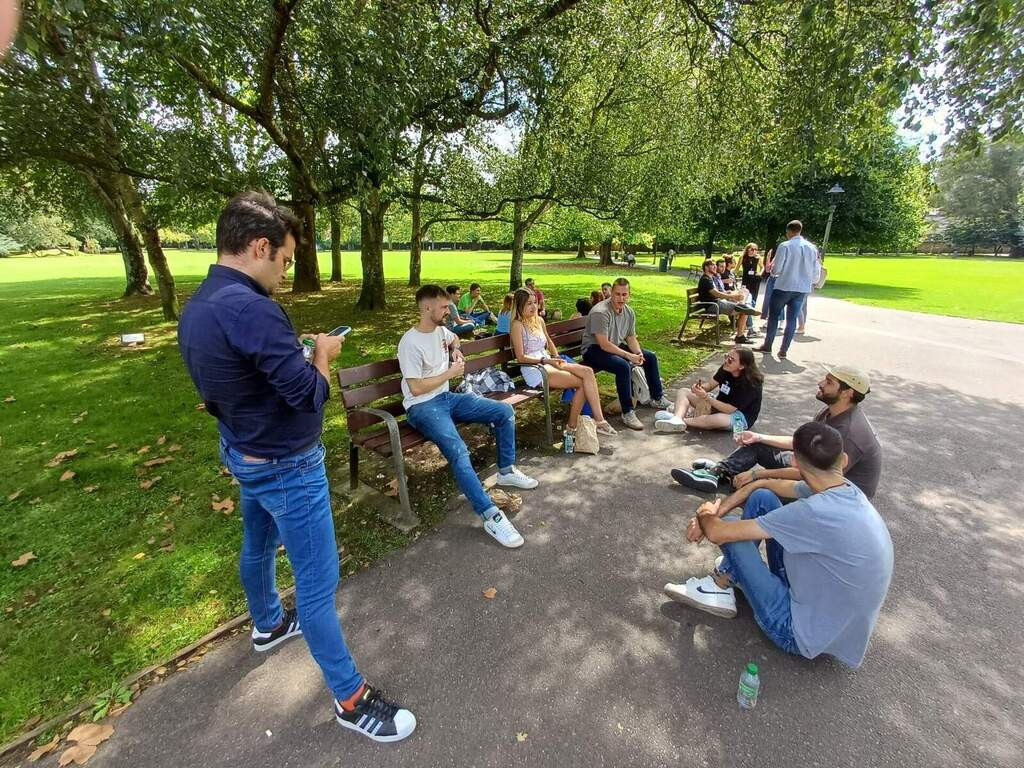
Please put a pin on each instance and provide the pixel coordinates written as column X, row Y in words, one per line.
column 78, row 419
column 157, row 462
column 138, row 555
column 91, row 488
column 161, row 440
column 78, row 754
column 62, row 457
column 15, row 495
column 200, row 406
column 68, row 475
column 225, row 471
column 167, row 546
column 44, row 750
column 173, row 448
column 175, row 499
column 234, row 481
column 32, row 722
column 143, row 449
column 91, row 733
column 112, row 446
column 392, row 489
column 147, row 484
column 490, row 593
column 35, row 500
column 151, row 540
column 10, row 399
column 521, row 736
column 25, row 559
column 89, row 441
column 227, row 506
column 105, row 613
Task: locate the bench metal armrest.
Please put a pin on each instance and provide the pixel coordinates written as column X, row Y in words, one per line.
column 395, row 438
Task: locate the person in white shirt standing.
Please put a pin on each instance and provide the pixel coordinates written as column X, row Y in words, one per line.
column 796, row 269
column 429, row 357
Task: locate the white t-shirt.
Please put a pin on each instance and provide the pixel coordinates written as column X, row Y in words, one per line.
column 422, row 355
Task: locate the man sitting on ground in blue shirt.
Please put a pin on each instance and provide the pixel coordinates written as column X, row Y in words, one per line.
column 829, row 555
column 247, row 363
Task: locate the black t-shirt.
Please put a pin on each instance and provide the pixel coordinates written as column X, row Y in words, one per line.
column 751, row 276
column 704, row 286
column 728, row 279
column 738, row 392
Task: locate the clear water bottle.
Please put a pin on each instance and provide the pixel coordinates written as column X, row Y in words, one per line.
column 308, row 347
column 750, row 684
column 738, row 425
column 569, row 441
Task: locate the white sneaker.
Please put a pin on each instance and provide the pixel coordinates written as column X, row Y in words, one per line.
column 706, row 595
column 632, row 421
column 661, row 402
column 516, row 479
column 664, row 415
column 670, row 425
column 500, row 528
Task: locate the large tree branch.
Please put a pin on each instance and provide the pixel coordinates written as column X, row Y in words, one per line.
column 282, row 18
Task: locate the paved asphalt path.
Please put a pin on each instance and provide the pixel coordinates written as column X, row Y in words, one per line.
column 581, row 651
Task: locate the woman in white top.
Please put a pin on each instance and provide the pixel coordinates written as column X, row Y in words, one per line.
column 533, row 347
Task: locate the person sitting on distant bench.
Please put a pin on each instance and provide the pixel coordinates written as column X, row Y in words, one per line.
column 473, row 305
column 630, row 259
column 534, row 349
column 829, row 553
column 738, row 382
column 729, row 302
column 456, row 322
column 505, row 316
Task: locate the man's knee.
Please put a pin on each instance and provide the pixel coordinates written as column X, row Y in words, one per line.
column 759, row 502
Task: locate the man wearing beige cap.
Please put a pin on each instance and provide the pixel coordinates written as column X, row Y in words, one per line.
column 766, row 457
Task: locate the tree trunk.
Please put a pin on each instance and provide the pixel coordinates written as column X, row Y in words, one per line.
column 515, row 273
column 580, row 253
column 136, row 274
column 709, row 243
column 606, row 253
column 416, row 245
column 371, row 219
column 335, row 245
column 154, row 250
column 307, row 269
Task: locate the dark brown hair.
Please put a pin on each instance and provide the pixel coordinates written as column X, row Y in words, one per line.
column 750, row 370
column 818, row 444
column 430, row 291
column 251, row 215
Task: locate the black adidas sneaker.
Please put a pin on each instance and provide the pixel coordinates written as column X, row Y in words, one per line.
column 289, row 627
column 375, row 717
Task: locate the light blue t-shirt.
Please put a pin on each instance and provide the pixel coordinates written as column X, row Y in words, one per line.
column 838, row 558
column 504, row 322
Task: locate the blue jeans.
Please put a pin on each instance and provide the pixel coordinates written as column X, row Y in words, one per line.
column 619, row 367
column 287, row 501
column 436, row 419
column 791, row 301
column 769, row 287
column 765, row 587
column 481, row 317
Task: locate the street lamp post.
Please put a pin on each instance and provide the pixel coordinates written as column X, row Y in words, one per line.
column 835, row 195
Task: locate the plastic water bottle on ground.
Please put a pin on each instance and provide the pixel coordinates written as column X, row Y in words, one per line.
column 750, row 684
column 569, row 441
column 738, row 425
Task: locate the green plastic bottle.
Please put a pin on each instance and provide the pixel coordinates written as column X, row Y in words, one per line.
column 750, row 684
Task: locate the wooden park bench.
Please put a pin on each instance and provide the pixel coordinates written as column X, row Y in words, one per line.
column 703, row 311
column 372, row 397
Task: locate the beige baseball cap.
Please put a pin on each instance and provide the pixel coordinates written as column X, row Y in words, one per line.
column 852, row 377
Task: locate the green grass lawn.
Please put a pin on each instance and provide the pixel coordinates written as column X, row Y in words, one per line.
column 132, row 562
column 988, row 289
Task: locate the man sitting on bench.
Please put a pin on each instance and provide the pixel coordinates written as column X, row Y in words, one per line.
column 429, row 357
column 729, row 302
column 829, row 555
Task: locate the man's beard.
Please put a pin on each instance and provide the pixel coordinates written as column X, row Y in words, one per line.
column 826, row 399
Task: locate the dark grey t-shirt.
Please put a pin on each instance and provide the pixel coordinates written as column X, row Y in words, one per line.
column 838, row 558
column 604, row 320
column 861, row 445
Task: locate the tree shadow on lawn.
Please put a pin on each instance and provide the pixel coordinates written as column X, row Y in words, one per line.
column 584, row 636
column 842, row 289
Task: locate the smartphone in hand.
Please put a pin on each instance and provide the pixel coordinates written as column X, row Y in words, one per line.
column 341, row 330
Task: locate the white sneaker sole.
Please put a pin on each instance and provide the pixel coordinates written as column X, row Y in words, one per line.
column 682, row 597
column 668, row 426
column 381, row 739
column 515, row 545
column 514, row 483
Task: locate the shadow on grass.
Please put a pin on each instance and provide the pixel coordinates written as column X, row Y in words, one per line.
column 841, row 289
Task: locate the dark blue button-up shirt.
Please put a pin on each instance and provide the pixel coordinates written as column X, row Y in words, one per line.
column 246, row 361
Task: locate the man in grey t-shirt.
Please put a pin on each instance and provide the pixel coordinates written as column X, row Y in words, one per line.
column 610, row 344
column 829, row 555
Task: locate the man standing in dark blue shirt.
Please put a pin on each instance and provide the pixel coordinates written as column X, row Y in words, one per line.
column 247, row 363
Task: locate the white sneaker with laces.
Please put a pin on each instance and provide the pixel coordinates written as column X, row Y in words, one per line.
column 664, row 415
column 706, row 595
column 670, row 425
column 501, row 529
column 632, row 421
column 516, row 479
column 663, row 403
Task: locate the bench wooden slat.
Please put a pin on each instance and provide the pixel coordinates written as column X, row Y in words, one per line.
column 362, row 373
column 358, row 420
column 354, row 398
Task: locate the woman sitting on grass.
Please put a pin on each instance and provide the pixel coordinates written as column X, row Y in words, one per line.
column 738, row 382
column 533, row 347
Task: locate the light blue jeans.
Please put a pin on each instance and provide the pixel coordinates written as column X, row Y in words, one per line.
column 436, row 420
column 765, row 586
column 287, row 501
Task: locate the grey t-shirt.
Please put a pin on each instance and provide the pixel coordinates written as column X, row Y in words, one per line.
column 861, row 445
column 604, row 320
column 838, row 558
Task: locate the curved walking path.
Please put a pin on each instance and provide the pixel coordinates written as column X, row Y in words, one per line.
column 580, row 650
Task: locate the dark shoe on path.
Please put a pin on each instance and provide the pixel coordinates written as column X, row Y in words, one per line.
column 375, row 717
column 289, row 627
column 699, row 479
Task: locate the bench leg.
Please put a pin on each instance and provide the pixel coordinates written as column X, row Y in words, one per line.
column 408, row 520
column 353, row 465
column 682, row 328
